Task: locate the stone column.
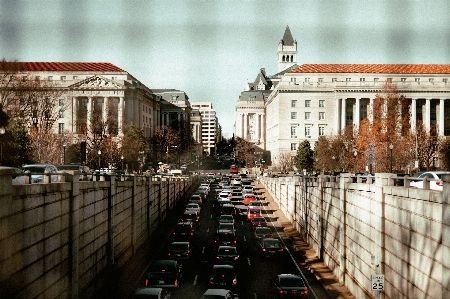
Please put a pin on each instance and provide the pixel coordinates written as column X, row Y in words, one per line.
column 263, row 129
column 89, row 115
column 413, row 115
column 74, row 114
column 120, row 116
column 370, row 112
column 356, row 116
column 344, row 108
column 444, row 260
column 337, row 116
column 245, row 130
column 105, row 113
column 257, row 127
column 427, row 114
column 441, row 117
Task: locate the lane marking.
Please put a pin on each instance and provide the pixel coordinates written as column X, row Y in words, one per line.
column 195, row 280
column 249, row 262
column 203, row 250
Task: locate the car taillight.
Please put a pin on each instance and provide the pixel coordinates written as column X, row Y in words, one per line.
column 440, row 184
column 304, row 292
column 176, row 282
column 283, row 292
column 234, row 281
column 146, row 282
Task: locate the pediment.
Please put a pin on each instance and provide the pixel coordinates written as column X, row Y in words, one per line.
column 97, row 82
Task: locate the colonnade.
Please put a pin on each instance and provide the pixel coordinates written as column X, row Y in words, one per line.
column 424, row 111
column 251, row 125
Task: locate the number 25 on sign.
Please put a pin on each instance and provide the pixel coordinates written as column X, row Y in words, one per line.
column 377, row 282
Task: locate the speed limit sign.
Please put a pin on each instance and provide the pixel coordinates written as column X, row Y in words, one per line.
column 377, row 282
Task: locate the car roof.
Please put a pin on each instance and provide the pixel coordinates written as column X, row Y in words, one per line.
column 217, row 292
column 148, row 291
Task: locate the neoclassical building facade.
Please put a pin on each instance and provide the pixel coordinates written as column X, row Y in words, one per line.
column 322, row 99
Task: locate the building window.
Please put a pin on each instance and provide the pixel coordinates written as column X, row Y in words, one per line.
column 307, row 103
column 75, row 77
column 50, row 78
column 293, row 146
column 251, row 116
column 445, row 80
column 321, row 115
column 333, row 79
column 60, row 128
column 61, row 113
column 293, row 115
column 308, row 131
column 403, row 80
column 431, row 80
column 294, row 103
column 252, row 99
column 293, row 80
column 61, row 102
column 321, row 131
column 376, row 79
column 173, row 98
column 362, row 79
column 113, row 78
column 37, row 78
column 320, row 80
column 307, row 115
column 348, row 79
column 306, row 80
column 322, row 103
column 293, row 130
column 63, row 78
column 389, row 80
column 417, row 80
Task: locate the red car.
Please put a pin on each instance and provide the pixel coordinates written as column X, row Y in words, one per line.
column 234, row 169
column 249, row 198
column 253, row 212
column 258, row 222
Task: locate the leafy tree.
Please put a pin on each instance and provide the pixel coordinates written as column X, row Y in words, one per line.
column 133, row 142
column 304, row 158
column 444, row 153
column 246, row 152
column 165, row 140
column 286, row 161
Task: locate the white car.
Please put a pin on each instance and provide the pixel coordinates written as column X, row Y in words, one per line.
column 193, row 206
column 435, row 178
column 39, row 171
column 219, row 294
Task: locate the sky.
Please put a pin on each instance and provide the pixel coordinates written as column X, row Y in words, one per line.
column 210, row 48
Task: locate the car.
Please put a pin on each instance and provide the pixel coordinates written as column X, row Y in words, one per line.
column 253, row 212
column 183, row 231
column 219, row 294
column 257, row 203
column 226, row 226
column 224, row 195
column 223, row 276
column 226, row 218
column 151, row 293
column 435, row 178
column 202, row 193
column 227, row 254
column 289, row 285
column 225, row 237
column 17, row 177
column 248, row 188
column 270, row 247
column 258, row 222
column 195, row 198
column 236, row 195
column 249, row 197
column 164, row 274
column 179, row 250
column 85, row 171
column 195, row 206
column 203, row 189
column 190, row 216
column 228, row 208
column 234, row 169
column 262, row 232
column 39, row 173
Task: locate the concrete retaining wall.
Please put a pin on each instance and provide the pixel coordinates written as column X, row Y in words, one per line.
column 363, row 229
column 59, row 240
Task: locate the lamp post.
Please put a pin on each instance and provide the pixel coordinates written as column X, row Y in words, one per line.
column 390, row 165
column 64, row 147
column 355, row 153
column 121, row 158
column 99, row 154
column 2, row 132
column 333, row 158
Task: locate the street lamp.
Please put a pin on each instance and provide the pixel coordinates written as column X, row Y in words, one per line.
column 99, row 154
column 390, row 166
column 64, row 147
column 2, row 132
column 333, row 158
column 121, row 158
column 355, row 153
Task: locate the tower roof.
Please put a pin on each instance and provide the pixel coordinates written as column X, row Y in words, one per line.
column 287, row 37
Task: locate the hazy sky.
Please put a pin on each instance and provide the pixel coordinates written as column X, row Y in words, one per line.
column 210, row 49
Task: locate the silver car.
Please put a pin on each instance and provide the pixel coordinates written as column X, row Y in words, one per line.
column 39, row 171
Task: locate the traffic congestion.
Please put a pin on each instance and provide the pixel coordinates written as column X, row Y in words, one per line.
column 226, row 244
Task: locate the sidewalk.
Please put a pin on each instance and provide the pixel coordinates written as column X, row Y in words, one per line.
column 322, row 273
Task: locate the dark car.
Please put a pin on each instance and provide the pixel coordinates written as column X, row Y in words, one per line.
column 225, row 237
column 190, row 216
column 179, row 250
column 227, row 209
column 226, row 226
column 223, row 276
column 164, row 274
column 227, row 254
column 183, row 231
column 225, row 218
column 271, row 247
column 151, row 293
column 258, row 222
column 289, row 285
column 262, row 233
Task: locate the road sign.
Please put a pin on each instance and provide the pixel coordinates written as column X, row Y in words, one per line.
column 377, row 282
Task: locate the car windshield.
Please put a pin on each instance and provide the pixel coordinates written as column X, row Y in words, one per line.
column 227, row 251
column 69, row 167
column 223, row 272
column 272, row 244
column 179, row 246
column 291, row 281
column 37, row 169
column 263, row 230
column 440, row 175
